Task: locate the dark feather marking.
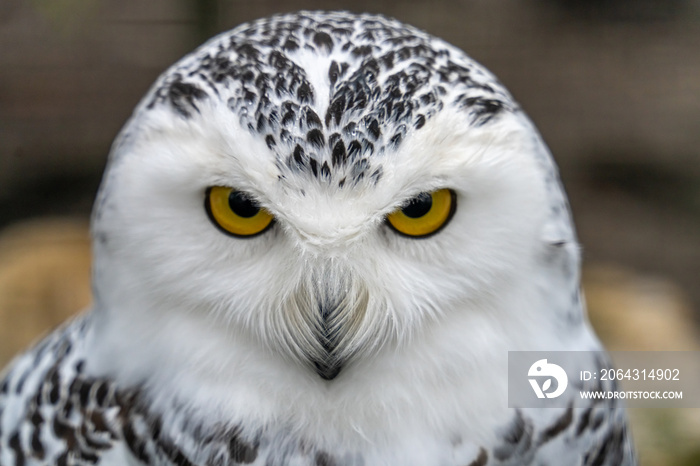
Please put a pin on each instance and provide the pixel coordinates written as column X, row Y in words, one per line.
column 373, row 128
column 598, row 419
column 583, row 421
column 324, row 459
column 90, row 457
column 354, row 149
column 135, row 444
column 299, row 156
column 36, row 419
column 90, row 440
column 312, row 119
column 335, row 111
column 20, row 382
column 16, row 446
column 305, row 93
column 66, row 409
column 480, row 460
column 37, row 448
column 240, row 451
column 339, row 155
column 63, row 460
column 333, row 73
column 290, row 45
column 517, row 438
column 315, row 138
column 362, row 51
column 377, row 174
column 84, row 393
column 182, row 96
column 99, row 424
column 174, row 454
column 482, row 110
column 54, row 386
column 325, row 170
column 324, row 41
column 559, row 426
column 610, row 451
column 100, row 391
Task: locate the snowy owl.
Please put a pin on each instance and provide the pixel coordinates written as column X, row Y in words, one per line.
column 317, row 239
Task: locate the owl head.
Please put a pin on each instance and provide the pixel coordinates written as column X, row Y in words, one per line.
column 324, row 187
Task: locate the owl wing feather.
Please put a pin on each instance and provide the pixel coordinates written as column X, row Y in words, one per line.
column 52, row 412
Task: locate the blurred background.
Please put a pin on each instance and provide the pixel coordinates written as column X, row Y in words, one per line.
column 613, row 85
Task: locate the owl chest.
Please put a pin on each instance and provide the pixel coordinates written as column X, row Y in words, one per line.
column 283, row 447
column 340, row 424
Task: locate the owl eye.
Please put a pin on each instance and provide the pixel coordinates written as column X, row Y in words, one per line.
column 235, row 212
column 425, row 214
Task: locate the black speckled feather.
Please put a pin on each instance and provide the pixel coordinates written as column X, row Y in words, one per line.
column 383, row 79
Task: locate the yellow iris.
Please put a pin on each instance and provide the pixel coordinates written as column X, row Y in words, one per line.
column 235, row 212
column 425, row 214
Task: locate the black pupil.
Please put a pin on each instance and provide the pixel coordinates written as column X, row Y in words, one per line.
column 242, row 205
column 419, row 206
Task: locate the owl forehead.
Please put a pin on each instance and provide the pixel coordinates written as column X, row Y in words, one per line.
column 330, row 94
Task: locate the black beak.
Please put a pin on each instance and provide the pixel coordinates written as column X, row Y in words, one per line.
column 329, row 366
column 327, row 371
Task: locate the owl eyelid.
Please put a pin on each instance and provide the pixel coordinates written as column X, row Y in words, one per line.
column 408, row 200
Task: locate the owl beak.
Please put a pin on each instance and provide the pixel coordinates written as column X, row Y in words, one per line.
column 328, row 336
column 338, row 303
column 324, row 320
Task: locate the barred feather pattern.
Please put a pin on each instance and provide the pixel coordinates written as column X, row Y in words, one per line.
column 53, row 412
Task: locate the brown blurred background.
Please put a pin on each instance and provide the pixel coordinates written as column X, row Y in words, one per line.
column 613, row 85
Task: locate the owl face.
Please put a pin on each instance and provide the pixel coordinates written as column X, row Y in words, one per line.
column 323, row 201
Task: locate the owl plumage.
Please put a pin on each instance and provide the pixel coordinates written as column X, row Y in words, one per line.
column 316, row 241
